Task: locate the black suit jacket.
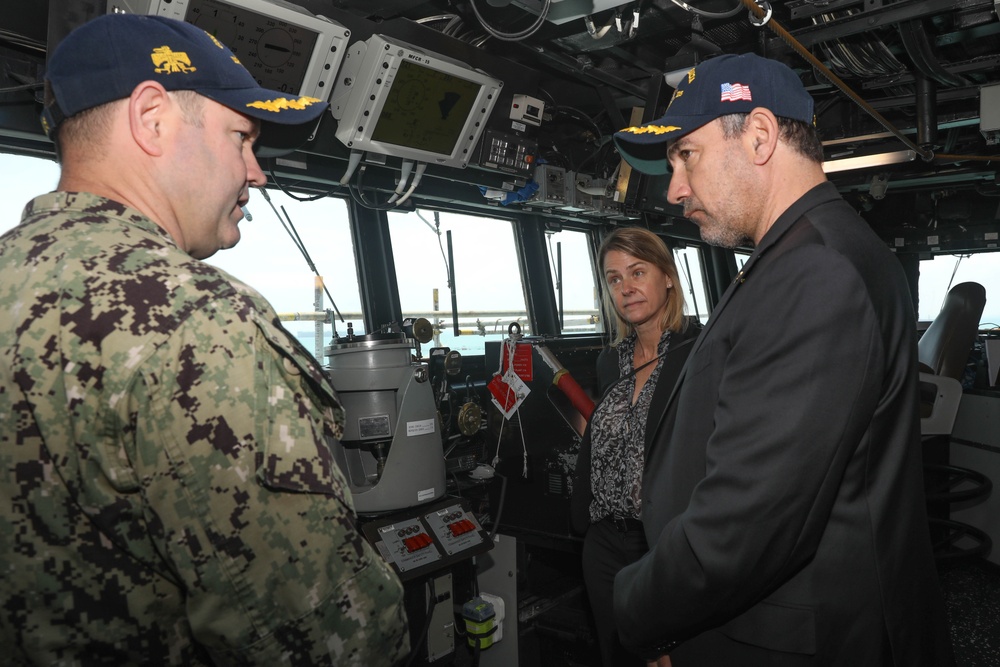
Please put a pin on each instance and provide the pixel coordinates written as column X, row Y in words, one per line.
column 782, row 498
column 608, row 375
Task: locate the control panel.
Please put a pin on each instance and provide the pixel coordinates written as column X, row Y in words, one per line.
column 427, row 538
column 507, row 152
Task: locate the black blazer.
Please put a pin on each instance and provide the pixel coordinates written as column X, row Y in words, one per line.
column 782, row 498
column 607, row 375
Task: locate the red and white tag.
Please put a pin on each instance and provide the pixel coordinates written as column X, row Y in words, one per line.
column 507, row 392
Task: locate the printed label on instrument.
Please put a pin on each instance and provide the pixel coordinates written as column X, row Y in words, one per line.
column 419, row 427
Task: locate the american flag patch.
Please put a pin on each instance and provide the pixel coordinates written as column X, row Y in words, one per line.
column 735, row 92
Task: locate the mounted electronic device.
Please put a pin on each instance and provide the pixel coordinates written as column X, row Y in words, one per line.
column 282, row 45
column 399, row 100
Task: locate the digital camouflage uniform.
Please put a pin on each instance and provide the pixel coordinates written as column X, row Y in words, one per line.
column 167, row 492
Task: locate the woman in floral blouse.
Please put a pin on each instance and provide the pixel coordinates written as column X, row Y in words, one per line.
column 650, row 341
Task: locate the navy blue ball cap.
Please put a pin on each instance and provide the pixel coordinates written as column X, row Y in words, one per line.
column 717, row 87
column 105, row 59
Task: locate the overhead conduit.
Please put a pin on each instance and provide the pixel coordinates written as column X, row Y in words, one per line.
column 918, row 47
column 928, row 61
column 786, row 37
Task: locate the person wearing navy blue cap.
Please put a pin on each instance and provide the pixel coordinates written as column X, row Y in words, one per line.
column 168, row 486
column 783, row 499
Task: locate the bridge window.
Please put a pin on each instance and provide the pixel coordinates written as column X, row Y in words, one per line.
column 692, row 272
column 266, row 257
column 269, row 260
column 741, row 258
column 942, row 272
column 577, row 298
column 488, row 289
column 23, row 179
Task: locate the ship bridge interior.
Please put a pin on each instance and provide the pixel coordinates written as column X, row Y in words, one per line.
column 907, row 105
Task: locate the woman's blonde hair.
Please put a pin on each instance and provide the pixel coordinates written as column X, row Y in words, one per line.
column 647, row 246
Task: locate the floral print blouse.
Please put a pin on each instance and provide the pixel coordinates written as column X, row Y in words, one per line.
column 618, row 432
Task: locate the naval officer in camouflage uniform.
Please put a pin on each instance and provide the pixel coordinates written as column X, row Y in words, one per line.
column 167, row 491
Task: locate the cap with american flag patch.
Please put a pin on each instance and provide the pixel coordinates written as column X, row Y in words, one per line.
column 717, row 87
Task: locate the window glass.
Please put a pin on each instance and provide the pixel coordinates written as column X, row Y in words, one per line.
column 943, row 272
column 269, row 260
column 23, row 179
column 741, row 258
column 692, row 273
column 266, row 257
column 580, row 301
column 488, row 287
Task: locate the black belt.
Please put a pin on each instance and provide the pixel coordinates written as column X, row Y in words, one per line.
column 624, row 524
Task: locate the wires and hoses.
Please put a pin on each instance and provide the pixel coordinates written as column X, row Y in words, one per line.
column 24, row 86
column 14, row 39
column 709, row 15
column 866, row 56
column 418, row 174
column 515, row 36
column 358, row 195
column 454, row 28
column 287, row 193
column 573, row 112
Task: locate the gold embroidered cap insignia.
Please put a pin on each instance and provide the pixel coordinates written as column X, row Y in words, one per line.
column 171, row 62
column 651, row 129
column 281, row 103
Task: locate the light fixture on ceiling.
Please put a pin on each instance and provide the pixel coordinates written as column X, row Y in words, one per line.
column 698, row 49
column 863, row 161
column 674, row 78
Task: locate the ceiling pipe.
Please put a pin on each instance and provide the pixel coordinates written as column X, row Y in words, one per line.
column 926, row 111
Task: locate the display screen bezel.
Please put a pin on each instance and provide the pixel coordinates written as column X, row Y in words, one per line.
column 375, row 87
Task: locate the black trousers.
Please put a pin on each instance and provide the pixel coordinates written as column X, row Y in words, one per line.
column 608, row 548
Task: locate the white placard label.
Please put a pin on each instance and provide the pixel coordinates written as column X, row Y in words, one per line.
column 420, row 427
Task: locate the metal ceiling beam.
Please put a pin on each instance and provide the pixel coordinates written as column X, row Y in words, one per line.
column 907, row 101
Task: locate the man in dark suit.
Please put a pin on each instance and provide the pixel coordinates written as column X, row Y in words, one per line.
column 783, row 499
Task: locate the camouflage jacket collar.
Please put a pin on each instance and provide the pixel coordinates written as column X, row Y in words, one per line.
column 85, row 202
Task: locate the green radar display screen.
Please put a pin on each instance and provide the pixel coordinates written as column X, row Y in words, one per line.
column 426, row 109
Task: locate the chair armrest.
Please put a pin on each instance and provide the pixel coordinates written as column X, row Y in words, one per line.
column 944, row 407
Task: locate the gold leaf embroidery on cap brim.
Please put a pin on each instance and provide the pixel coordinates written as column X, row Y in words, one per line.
column 651, row 129
column 283, row 103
